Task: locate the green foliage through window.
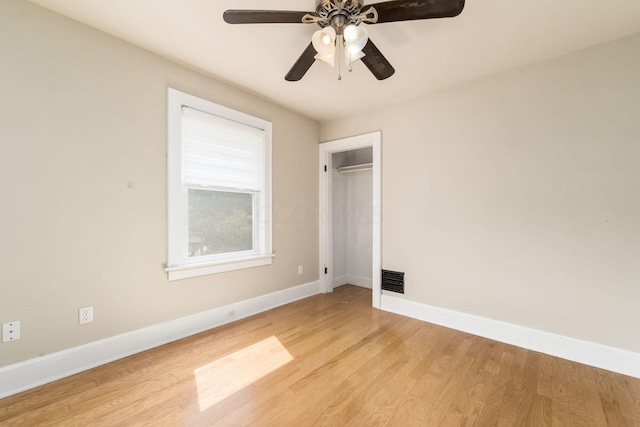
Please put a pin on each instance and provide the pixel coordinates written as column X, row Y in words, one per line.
column 219, row 222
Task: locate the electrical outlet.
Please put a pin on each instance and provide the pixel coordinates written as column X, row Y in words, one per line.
column 85, row 315
column 10, row 331
column 300, row 270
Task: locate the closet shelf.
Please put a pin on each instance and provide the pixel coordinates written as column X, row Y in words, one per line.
column 356, row 168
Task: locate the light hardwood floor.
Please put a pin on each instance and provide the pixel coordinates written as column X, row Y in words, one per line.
column 333, row 360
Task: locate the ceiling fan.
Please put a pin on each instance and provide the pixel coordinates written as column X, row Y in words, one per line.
column 340, row 28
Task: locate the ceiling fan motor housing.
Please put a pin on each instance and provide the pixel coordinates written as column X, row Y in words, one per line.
column 328, row 8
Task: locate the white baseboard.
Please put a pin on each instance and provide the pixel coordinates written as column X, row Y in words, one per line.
column 35, row 372
column 340, row 281
column 601, row 356
column 359, row 281
column 352, row 280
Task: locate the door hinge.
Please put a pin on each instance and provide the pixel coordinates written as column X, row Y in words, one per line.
column 325, row 168
column 326, row 270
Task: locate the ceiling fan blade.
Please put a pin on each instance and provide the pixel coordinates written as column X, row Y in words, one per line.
column 234, row 16
column 408, row 10
column 376, row 62
column 302, row 65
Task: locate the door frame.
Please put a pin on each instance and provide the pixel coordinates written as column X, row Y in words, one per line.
column 372, row 139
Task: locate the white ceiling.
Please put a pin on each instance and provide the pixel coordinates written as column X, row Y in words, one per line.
column 488, row 37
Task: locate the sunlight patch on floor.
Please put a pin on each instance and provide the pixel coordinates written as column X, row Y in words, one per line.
column 230, row 374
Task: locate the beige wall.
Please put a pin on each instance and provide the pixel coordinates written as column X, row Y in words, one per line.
column 517, row 197
column 81, row 115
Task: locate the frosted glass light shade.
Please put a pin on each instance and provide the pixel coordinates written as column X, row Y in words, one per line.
column 355, row 37
column 329, row 59
column 351, row 57
column 324, row 41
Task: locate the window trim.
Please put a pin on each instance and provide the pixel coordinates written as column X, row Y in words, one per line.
column 178, row 267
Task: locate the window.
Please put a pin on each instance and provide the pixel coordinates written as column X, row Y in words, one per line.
column 219, row 181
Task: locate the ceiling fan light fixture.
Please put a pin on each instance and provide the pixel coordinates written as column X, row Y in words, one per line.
column 355, row 37
column 341, row 22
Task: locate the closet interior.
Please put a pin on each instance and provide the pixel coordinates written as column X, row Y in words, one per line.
column 352, row 199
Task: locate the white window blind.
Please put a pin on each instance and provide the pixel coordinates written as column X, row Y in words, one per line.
column 221, row 153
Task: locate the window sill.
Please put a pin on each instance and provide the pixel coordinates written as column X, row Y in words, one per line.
column 194, row 270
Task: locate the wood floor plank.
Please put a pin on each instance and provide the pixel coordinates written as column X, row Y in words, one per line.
column 622, row 394
column 560, row 380
column 42, row 397
column 593, row 404
column 436, row 400
column 151, row 416
column 633, row 385
column 433, row 342
column 317, row 356
column 356, row 393
column 495, row 393
column 560, row 414
column 38, row 416
column 538, row 412
column 461, row 400
column 123, row 402
column 575, row 396
column 400, row 408
column 514, row 390
column 335, row 401
column 486, row 375
column 309, row 390
column 545, row 377
column 369, row 394
column 435, row 406
column 401, row 395
column 332, row 360
column 612, row 411
column 528, row 393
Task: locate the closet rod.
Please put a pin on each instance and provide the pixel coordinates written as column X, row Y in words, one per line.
column 356, row 168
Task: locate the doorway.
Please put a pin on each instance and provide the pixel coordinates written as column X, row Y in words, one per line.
column 359, row 155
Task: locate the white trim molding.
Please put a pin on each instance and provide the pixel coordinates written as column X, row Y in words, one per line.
column 325, row 226
column 194, row 270
column 352, row 280
column 601, row 356
column 35, row 372
column 340, row 281
column 362, row 282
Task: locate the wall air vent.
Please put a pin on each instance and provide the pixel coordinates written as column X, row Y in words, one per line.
column 393, row 281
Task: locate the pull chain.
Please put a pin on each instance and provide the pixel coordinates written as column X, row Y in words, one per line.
column 350, row 63
column 340, row 60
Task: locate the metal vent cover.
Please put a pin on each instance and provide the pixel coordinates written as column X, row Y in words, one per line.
column 393, row 281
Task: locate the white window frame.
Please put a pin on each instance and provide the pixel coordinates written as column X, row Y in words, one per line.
column 179, row 266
